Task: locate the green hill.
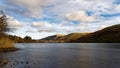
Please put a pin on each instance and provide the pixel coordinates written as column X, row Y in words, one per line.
column 107, row 35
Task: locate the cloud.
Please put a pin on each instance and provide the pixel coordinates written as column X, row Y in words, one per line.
column 102, row 24
column 80, row 16
column 32, row 8
column 43, row 26
column 47, row 30
column 31, row 31
column 96, row 6
column 117, row 8
column 37, row 24
column 65, row 27
column 37, row 8
column 13, row 23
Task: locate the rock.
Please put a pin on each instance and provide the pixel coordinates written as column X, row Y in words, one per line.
column 27, row 62
column 13, row 63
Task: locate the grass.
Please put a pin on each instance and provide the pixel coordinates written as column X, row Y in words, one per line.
column 6, row 45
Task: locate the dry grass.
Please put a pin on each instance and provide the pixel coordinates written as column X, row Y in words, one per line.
column 6, row 43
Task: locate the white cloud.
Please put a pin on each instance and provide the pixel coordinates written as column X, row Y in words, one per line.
column 36, row 24
column 33, row 8
column 117, row 8
column 48, row 27
column 80, row 16
column 13, row 23
column 53, row 27
column 41, row 24
column 68, row 6
column 103, row 24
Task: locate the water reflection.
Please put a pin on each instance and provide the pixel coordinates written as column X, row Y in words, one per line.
column 70, row 55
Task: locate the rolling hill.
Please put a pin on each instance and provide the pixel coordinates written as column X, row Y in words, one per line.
column 107, row 35
column 71, row 36
column 63, row 38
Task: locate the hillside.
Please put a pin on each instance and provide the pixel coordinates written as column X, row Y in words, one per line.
column 71, row 36
column 53, row 38
column 108, row 35
column 63, row 38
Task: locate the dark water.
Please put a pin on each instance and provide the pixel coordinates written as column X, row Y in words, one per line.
column 64, row 55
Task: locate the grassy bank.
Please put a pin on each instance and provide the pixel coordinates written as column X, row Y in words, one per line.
column 6, row 45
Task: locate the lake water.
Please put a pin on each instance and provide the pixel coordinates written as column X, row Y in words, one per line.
column 64, row 55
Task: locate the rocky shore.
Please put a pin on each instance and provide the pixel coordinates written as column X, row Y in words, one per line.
column 11, row 63
column 4, row 62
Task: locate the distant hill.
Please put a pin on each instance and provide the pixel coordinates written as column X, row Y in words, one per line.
column 53, row 37
column 71, row 36
column 107, row 35
column 63, row 38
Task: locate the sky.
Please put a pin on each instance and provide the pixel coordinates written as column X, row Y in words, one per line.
column 42, row 18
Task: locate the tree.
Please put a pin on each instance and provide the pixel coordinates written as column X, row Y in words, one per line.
column 27, row 39
column 3, row 23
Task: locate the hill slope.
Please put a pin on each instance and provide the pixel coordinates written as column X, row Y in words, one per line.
column 53, row 37
column 72, row 36
column 109, row 35
column 63, row 38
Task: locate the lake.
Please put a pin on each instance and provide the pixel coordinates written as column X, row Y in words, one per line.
column 64, row 55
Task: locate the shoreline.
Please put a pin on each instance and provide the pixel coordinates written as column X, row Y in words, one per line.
column 9, row 49
column 4, row 50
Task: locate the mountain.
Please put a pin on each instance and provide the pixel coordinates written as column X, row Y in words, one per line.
column 107, row 35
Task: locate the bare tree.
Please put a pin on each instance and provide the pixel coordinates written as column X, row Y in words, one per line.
column 3, row 23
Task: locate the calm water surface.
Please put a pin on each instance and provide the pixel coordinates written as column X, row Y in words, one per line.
column 64, row 55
